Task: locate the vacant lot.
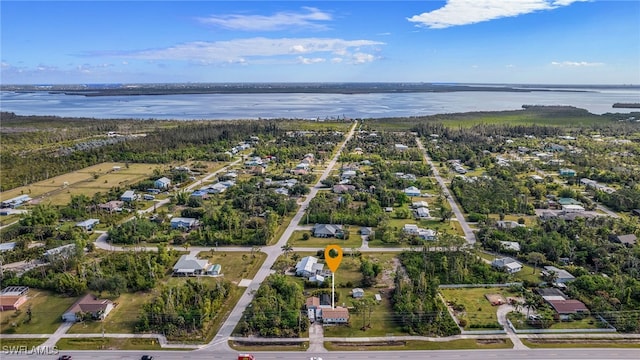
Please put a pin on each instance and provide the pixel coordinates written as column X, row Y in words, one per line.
column 473, row 307
column 236, row 265
column 46, row 314
column 121, row 319
column 107, row 344
column 100, row 177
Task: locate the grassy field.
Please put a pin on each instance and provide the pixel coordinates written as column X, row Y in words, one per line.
column 381, row 323
column 464, row 344
column 478, row 311
column 121, row 320
column 46, row 308
column 108, row 344
column 247, row 346
column 29, row 343
column 518, row 320
column 580, row 343
column 236, row 265
column 83, row 182
column 354, row 240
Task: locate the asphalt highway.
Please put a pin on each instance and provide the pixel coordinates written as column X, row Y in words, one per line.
column 539, row 354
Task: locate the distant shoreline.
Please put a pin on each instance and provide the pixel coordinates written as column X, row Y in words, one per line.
column 627, row 105
column 283, row 88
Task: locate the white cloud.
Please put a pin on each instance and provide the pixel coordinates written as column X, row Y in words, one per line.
column 361, row 58
column 307, row 61
column 337, row 60
column 576, row 63
column 278, row 21
column 4, row 64
column 464, row 12
column 233, row 51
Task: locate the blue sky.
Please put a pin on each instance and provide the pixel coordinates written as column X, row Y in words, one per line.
column 469, row 41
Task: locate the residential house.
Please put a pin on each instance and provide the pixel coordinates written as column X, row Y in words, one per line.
column 563, row 276
column 63, row 251
column 202, row 194
column 312, row 302
column 506, row 224
column 8, row 246
column 339, row 315
column 297, row 171
column 635, row 212
column 327, row 230
column 366, row 231
column 549, row 293
column 111, row 206
column 510, row 245
column 422, row 213
column 90, row 305
column 341, row 188
column 411, row 229
column 401, row 147
column 427, row 234
column 420, row 204
column 566, row 308
column 282, row 191
column 629, row 239
column 412, row 191
column 12, row 297
column 257, row 170
column 348, row 174
column 190, row 265
column 129, row 196
column 308, row 266
column 507, row 264
column 357, row 293
column 567, row 172
column 162, row 183
column 572, row 209
column 317, row 278
column 88, row 225
column 183, row 223
column 16, row 201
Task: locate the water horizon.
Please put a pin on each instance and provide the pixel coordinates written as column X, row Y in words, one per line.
column 312, row 105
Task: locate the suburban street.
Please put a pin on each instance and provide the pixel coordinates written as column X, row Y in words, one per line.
column 468, row 233
column 220, row 340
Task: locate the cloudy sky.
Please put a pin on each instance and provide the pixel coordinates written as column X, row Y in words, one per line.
column 470, row 41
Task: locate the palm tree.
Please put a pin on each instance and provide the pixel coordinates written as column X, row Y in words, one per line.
column 530, row 303
column 287, row 249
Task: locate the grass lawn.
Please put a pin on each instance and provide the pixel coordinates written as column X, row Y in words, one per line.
column 354, row 240
column 526, row 273
column 121, row 320
column 382, row 322
column 587, row 323
column 580, row 343
column 47, row 310
column 464, row 344
column 479, row 313
column 8, row 219
column 247, row 346
column 108, row 344
column 29, row 343
column 236, row 265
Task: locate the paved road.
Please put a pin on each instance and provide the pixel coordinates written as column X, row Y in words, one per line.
column 538, row 354
column 219, row 342
column 469, row 235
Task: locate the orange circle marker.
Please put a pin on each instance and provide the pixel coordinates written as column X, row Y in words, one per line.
column 333, row 257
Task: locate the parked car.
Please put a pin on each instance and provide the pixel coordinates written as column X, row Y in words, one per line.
column 146, row 357
column 64, row 357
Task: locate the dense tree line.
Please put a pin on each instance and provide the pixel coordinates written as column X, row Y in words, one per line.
column 276, row 310
column 184, row 310
column 327, row 208
column 415, row 300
